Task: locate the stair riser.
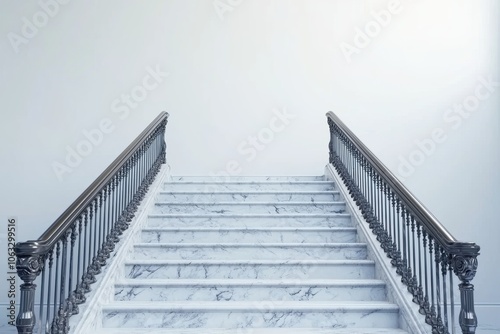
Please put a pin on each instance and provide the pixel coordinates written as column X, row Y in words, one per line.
column 158, row 252
column 249, row 271
column 242, row 221
column 255, row 319
column 250, row 293
column 247, row 197
column 248, row 236
column 216, row 179
column 213, row 187
column 228, row 209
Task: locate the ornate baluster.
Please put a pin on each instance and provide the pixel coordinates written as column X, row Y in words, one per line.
column 444, row 271
column 72, row 304
column 409, row 271
column 404, row 271
column 82, row 263
column 413, row 281
column 55, row 319
column 438, row 326
column 399, row 260
column 419, row 298
column 47, row 320
column 431, row 315
column 62, row 317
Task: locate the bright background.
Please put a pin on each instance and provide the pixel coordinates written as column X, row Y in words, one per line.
column 227, row 73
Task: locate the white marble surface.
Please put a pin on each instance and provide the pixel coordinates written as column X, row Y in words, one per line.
column 257, row 234
column 250, row 314
column 207, row 187
column 262, row 269
column 249, row 196
column 247, row 330
column 224, row 208
column 247, row 178
column 249, row 290
column 249, row 220
column 248, row 251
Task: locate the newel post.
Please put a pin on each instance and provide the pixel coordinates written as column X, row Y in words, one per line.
column 465, row 268
column 28, row 268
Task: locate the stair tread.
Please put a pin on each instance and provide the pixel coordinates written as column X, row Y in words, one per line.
column 250, row 305
column 252, row 331
column 252, row 244
column 271, row 229
column 231, row 210
column 250, row 282
column 271, row 262
column 252, row 203
column 252, row 182
column 264, row 192
column 252, row 215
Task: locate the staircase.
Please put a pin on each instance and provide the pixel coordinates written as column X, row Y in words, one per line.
column 250, row 255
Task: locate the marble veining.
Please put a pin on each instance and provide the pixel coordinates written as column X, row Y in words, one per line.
column 249, row 235
column 208, row 187
column 249, row 253
column 258, row 208
column 205, row 269
column 249, row 196
column 249, row 220
column 249, row 290
column 313, row 251
column 222, row 179
column 253, row 314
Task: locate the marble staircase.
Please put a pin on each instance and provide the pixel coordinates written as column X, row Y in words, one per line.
column 249, row 255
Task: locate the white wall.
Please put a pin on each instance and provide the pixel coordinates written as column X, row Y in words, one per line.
column 231, row 70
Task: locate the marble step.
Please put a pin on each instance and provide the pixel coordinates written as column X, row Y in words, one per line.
column 249, row 251
column 246, row 178
column 228, row 208
column 245, row 235
column 249, row 269
column 249, row 220
column 251, row 331
column 249, row 196
column 260, row 314
column 208, row 186
column 250, row 290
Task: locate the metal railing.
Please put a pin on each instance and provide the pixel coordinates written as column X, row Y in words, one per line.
column 73, row 250
column 424, row 253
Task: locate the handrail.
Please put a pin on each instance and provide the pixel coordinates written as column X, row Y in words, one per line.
column 61, row 224
column 66, row 258
column 424, row 252
column 437, row 230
